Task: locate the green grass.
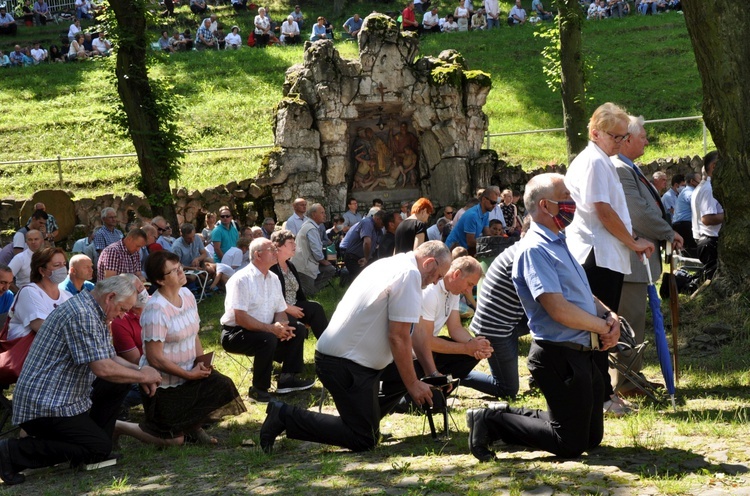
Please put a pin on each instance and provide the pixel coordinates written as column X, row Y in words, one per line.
column 229, row 98
column 699, row 447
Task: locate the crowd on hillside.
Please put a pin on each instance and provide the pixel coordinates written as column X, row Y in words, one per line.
column 212, row 33
column 117, row 324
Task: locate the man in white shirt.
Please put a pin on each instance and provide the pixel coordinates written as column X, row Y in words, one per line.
column 517, row 15
column 290, row 32
column 237, row 256
column 38, row 222
column 370, row 328
column 21, row 263
column 492, row 8
column 708, row 216
column 255, row 324
column 431, row 21
column 101, row 45
column 38, row 53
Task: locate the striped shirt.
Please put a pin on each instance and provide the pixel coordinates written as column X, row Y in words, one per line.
column 56, row 378
column 498, row 307
column 176, row 327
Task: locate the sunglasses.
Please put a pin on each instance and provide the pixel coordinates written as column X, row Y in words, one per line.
column 492, row 202
column 225, row 216
column 448, row 213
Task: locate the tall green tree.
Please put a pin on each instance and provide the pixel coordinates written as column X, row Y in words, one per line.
column 147, row 110
column 572, row 75
column 720, row 33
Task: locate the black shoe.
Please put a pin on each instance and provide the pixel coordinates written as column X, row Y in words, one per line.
column 479, row 439
column 272, row 426
column 259, row 395
column 293, row 383
column 6, row 466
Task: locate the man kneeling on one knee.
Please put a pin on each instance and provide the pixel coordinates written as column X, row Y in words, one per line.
column 255, row 324
column 564, row 316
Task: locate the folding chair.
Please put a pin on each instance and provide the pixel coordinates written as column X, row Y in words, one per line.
column 201, row 280
column 627, row 343
column 237, row 365
column 439, row 405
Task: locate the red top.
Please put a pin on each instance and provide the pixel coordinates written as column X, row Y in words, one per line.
column 126, row 333
column 407, row 17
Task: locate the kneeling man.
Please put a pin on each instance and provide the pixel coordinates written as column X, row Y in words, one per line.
column 370, row 328
column 564, row 318
column 69, row 416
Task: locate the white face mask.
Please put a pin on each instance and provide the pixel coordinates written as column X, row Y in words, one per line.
column 680, row 189
column 142, row 298
column 58, row 275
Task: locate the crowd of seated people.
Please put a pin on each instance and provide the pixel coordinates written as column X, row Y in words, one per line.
column 603, row 9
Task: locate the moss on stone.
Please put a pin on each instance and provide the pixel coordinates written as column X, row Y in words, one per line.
column 380, row 23
column 480, row 78
column 449, row 74
column 274, row 154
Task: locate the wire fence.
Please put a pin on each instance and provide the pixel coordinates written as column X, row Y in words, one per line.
column 487, row 145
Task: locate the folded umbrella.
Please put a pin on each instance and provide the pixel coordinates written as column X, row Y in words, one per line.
column 660, row 337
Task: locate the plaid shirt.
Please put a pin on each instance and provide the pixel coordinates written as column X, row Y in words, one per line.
column 104, row 237
column 56, row 379
column 116, row 257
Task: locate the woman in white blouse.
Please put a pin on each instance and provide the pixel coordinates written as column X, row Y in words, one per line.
column 37, row 300
column 262, row 28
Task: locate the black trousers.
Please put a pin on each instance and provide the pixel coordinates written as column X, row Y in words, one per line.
column 606, row 285
column 84, row 438
column 266, row 348
column 708, row 253
column 351, row 261
column 685, row 229
column 314, row 316
column 354, row 389
column 572, row 387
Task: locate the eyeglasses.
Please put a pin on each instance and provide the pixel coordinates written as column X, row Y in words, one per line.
column 492, row 202
column 272, row 249
column 162, row 229
column 448, row 213
column 617, row 138
column 176, row 270
column 226, row 216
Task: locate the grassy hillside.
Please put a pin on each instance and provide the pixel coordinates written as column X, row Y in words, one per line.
column 228, row 98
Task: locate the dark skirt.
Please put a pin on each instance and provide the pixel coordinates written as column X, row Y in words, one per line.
column 172, row 411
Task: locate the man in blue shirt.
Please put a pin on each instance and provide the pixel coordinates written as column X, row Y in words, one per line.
column 682, row 221
column 6, row 295
column 353, row 25
column 361, row 242
column 564, row 317
column 473, row 223
column 80, row 273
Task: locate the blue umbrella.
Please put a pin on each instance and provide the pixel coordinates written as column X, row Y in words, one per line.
column 660, row 337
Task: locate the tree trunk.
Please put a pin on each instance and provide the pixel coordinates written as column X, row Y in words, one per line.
column 338, row 7
column 720, row 33
column 158, row 155
column 572, row 88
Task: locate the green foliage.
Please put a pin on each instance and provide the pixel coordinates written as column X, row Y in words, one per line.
column 550, row 32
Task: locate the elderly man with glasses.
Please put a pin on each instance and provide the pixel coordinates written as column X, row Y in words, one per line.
column 255, row 324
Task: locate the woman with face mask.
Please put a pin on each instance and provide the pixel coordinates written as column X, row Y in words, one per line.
column 37, row 300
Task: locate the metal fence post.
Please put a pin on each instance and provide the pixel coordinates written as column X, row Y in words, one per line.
column 59, row 170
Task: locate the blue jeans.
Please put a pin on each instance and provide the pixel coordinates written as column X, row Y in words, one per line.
column 492, row 23
column 504, row 367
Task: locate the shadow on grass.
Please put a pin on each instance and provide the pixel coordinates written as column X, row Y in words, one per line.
column 658, row 462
